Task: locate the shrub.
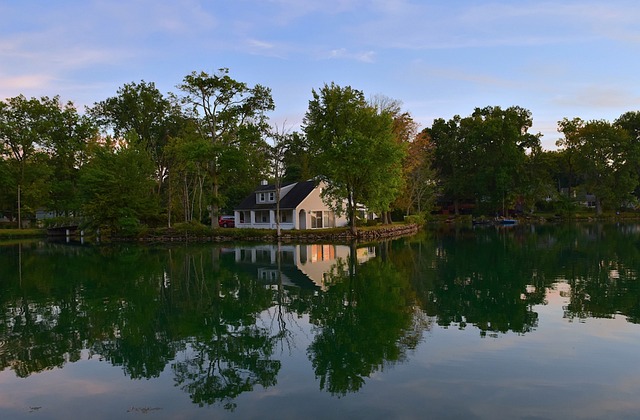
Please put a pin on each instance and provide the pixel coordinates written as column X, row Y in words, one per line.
column 192, row 226
column 417, row 219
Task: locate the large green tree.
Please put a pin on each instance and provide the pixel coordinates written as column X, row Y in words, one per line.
column 417, row 175
column 606, row 157
column 231, row 116
column 144, row 116
column 39, row 138
column 481, row 157
column 630, row 122
column 68, row 134
column 116, row 187
column 452, row 160
column 353, row 150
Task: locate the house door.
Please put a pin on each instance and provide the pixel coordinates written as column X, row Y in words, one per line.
column 302, row 220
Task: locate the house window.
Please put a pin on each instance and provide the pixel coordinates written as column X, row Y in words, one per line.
column 272, row 196
column 322, row 219
column 261, row 198
column 328, row 219
column 283, row 217
column 316, row 219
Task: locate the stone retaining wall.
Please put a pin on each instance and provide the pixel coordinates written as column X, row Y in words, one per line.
column 307, row 236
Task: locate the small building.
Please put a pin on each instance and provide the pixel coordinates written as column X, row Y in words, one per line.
column 301, row 207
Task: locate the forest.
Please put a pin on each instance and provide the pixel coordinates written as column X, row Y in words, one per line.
column 147, row 158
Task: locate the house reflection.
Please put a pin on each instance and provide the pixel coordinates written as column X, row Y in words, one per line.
column 303, row 266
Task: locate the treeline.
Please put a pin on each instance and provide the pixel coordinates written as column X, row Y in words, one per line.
column 491, row 161
column 143, row 157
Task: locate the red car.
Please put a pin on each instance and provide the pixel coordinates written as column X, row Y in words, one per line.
column 227, row 221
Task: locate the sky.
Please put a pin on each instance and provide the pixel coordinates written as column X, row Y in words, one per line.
column 440, row 58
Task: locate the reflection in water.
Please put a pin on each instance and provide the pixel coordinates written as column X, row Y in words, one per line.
column 198, row 313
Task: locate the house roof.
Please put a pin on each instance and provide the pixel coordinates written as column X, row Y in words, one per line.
column 290, row 201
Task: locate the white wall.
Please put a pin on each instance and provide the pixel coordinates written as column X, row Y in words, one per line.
column 314, row 202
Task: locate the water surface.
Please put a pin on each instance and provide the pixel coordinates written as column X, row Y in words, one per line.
column 519, row 322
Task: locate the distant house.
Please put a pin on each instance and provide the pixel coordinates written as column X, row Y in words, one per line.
column 300, row 208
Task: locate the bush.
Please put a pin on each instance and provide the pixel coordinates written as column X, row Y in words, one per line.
column 193, row 226
column 417, row 219
column 129, row 226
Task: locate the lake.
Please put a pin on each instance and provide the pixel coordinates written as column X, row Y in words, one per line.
column 487, row 322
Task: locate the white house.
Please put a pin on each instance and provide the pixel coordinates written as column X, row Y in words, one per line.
column 300, row 208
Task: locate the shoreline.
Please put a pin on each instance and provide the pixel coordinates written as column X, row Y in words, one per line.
column 335, row 235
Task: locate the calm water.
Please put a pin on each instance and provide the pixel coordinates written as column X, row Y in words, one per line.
column 488, row 323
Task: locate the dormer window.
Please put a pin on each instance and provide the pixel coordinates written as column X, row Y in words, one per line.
column 266, row 197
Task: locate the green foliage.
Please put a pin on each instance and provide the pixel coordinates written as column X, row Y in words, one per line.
column 231, row 116
column 482, row 157
column 117, row 189
column 353, row 150
column 364, row 322
column 416, row 219
column 192, row 226
column 606, row 156
column 41, row 145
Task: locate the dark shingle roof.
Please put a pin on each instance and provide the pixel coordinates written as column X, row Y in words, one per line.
column 294, row 197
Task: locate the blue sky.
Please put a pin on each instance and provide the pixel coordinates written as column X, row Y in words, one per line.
column 440, row 58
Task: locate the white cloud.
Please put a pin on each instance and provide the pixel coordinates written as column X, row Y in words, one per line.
column 344, row 54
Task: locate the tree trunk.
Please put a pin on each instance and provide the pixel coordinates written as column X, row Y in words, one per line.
column 352, row 221
column 19, row 209
column 598, row 206
column 215, row 208
column 169, row 200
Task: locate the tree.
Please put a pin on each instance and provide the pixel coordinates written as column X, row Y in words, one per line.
column 420, row 178
column 68, row 136
column 143, row 115
column 630, row 122
column 481, row 156
column 353, row 150
column 38, row 136
column 500, row 140
column 277, row 152
column 416, row 176
column 606, row 156
column 189, row 155
column 116, row 187
column 452, row 160
column 297, row 160
column 230, row 115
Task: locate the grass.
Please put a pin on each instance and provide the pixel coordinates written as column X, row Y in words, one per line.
column 21, row 233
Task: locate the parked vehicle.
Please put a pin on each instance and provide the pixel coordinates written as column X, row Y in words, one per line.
column 227, row 221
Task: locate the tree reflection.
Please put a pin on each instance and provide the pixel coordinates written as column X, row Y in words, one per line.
column 137, row 308
column 364, row 322
column 603, row 273
column 486, row 278
column 216, row 327
column 227, row 354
